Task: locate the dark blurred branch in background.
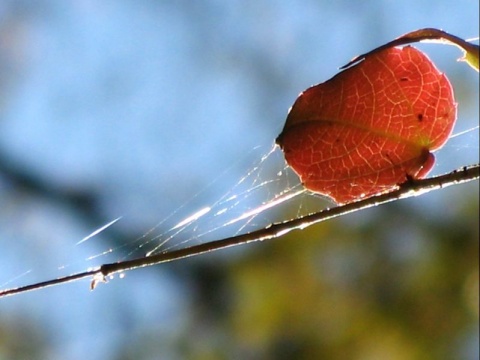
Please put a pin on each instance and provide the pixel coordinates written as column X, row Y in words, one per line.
column 84, row 203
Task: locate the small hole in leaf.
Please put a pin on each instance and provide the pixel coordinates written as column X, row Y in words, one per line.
column 403, row 79
column 420, row 117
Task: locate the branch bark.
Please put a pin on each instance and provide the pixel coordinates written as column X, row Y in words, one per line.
column 275, row 230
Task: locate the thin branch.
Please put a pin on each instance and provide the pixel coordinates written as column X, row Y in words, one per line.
column 406, row 190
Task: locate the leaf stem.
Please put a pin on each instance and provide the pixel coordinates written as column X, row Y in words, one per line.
column 409, row 189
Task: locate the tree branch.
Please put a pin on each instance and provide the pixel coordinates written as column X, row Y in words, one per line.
column 275, row 230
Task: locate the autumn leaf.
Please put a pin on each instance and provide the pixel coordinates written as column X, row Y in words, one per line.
column 470, row 51
column 371, row 127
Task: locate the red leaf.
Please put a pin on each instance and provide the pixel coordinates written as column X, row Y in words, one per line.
column 370, row 127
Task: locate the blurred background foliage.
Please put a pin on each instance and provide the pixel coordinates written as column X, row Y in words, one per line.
column 130, row 108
